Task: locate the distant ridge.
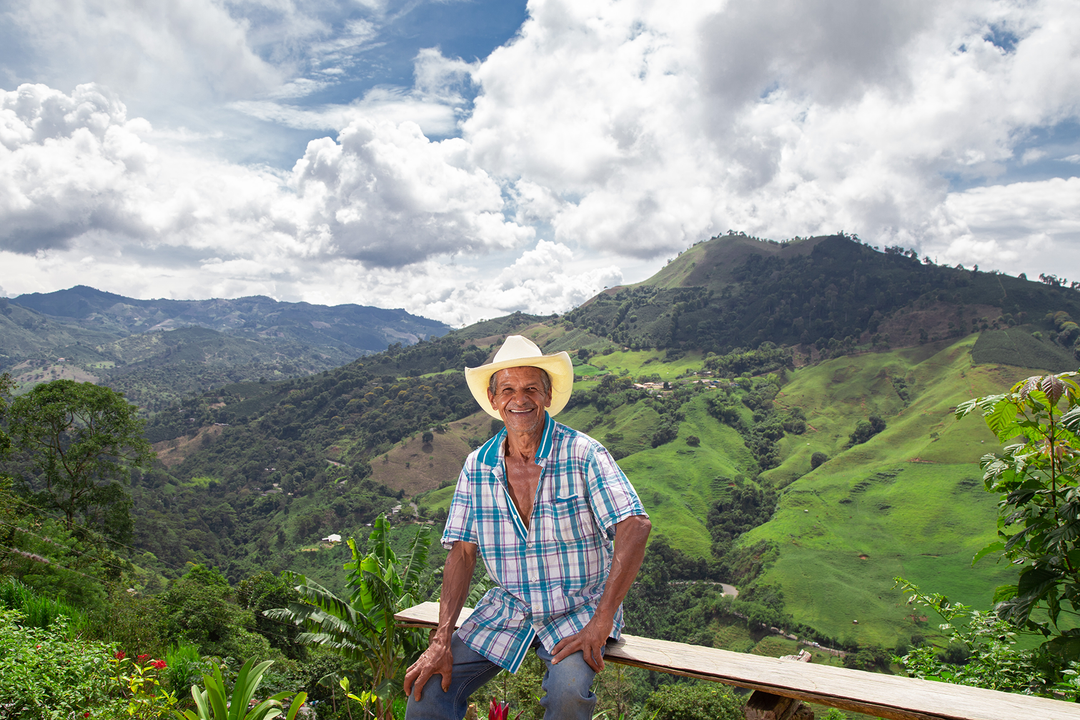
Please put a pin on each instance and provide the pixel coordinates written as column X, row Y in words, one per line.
column 156, row 351
column 365, row 328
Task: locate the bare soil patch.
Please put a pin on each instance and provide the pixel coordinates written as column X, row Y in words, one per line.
column 415, row 466
column 175, row 451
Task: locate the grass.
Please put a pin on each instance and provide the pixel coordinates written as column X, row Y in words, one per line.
column 843, row 538
column 1003, row 345
column 201, row 482
column 647, row 362
column 907, row 503
column 676, row 481
column 40, row 611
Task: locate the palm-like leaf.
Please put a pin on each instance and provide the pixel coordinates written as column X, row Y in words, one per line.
column 211, row 704
column 363, row 627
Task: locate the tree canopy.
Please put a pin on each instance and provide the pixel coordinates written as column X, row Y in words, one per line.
column 79, row 441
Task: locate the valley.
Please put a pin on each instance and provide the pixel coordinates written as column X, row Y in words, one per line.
column 789, row 425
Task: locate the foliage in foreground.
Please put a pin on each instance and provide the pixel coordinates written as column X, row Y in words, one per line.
column 1037, row 476
column 704, row 701
column 45, row 674
column 215, row 703
column 362, row 629
column 983, row 642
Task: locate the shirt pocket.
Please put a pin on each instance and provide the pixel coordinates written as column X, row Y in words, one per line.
column 572, row 519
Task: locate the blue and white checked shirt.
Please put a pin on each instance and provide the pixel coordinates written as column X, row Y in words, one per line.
column 552, row 575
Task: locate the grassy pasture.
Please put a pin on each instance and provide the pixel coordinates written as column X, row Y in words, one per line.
column 676, row 481
column 843, row 537
column 647, row 362
column 909, row 502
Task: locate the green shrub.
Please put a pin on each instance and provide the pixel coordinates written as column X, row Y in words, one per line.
column 702, row 701
column 135, row 621
column 45, row 674
column 185, row 667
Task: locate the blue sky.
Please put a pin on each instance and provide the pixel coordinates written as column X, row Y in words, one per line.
column 464, row 160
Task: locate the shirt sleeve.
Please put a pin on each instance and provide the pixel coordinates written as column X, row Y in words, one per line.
column 611, row 495
column 459, row 520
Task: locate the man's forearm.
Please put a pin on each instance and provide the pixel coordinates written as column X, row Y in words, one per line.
column 630, row 537
column 457, row 576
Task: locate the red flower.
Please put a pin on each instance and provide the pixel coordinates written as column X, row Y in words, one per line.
column 158, row 664
column 119, row 654
column 142, row 658
column 500, row 711
column 86, row 714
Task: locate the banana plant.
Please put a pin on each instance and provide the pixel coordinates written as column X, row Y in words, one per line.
column 214, row 703
column 362, row 628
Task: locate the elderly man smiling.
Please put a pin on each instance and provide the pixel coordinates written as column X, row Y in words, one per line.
column 560, row 530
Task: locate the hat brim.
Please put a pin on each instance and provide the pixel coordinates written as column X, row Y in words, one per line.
column 559, row 367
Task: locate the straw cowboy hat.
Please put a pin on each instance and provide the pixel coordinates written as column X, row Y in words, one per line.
column 520, row 351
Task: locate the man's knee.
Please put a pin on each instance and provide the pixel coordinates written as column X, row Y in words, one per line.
column 568, row 689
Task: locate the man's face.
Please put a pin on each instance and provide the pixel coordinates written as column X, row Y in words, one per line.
column 520, row 398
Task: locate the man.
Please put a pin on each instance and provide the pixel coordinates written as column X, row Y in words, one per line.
column 560, row 530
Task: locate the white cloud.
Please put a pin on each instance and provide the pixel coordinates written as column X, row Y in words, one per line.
column 391, row 197
column 76, row 174
column 638, row 131
column 613, row 132
column 189, row 49
column 388, row 105
column 1027, row 227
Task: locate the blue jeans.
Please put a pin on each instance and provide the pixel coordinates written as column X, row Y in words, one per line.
column 566, row 686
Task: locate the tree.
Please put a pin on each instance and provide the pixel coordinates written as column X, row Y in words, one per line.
column 363, row 629
column 6, row 386
column 80, row 441
column 1038, row 478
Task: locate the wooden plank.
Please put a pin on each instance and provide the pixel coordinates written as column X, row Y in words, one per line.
column 883, row 696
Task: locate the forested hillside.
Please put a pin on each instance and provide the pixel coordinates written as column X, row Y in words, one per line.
column 785, row 411
column 823, row 292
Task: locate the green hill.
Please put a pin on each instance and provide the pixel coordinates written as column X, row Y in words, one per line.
column 700, row 385
column 734, row 291
column 909, row 502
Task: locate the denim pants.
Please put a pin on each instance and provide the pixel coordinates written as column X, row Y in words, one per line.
column 567, row 694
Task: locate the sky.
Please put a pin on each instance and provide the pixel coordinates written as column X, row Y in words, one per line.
column 464, row 159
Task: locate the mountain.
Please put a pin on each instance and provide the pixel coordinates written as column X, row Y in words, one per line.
column 808, row 471
column 156, row 351
column 359, row 328
column 734, row 291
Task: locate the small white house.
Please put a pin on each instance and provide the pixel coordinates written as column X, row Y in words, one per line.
column 332, row 538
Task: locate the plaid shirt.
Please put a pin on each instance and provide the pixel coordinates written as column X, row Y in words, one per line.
column 551, row 576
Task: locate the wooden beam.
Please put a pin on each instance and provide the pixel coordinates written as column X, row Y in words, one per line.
column 876, row 694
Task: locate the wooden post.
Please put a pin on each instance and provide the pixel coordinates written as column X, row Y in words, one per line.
column 766, row 706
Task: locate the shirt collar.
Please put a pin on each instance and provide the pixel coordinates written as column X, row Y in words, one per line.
column 491, row 453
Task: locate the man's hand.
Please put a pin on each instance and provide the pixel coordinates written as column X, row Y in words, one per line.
column 436, row 660
column 590, row 641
